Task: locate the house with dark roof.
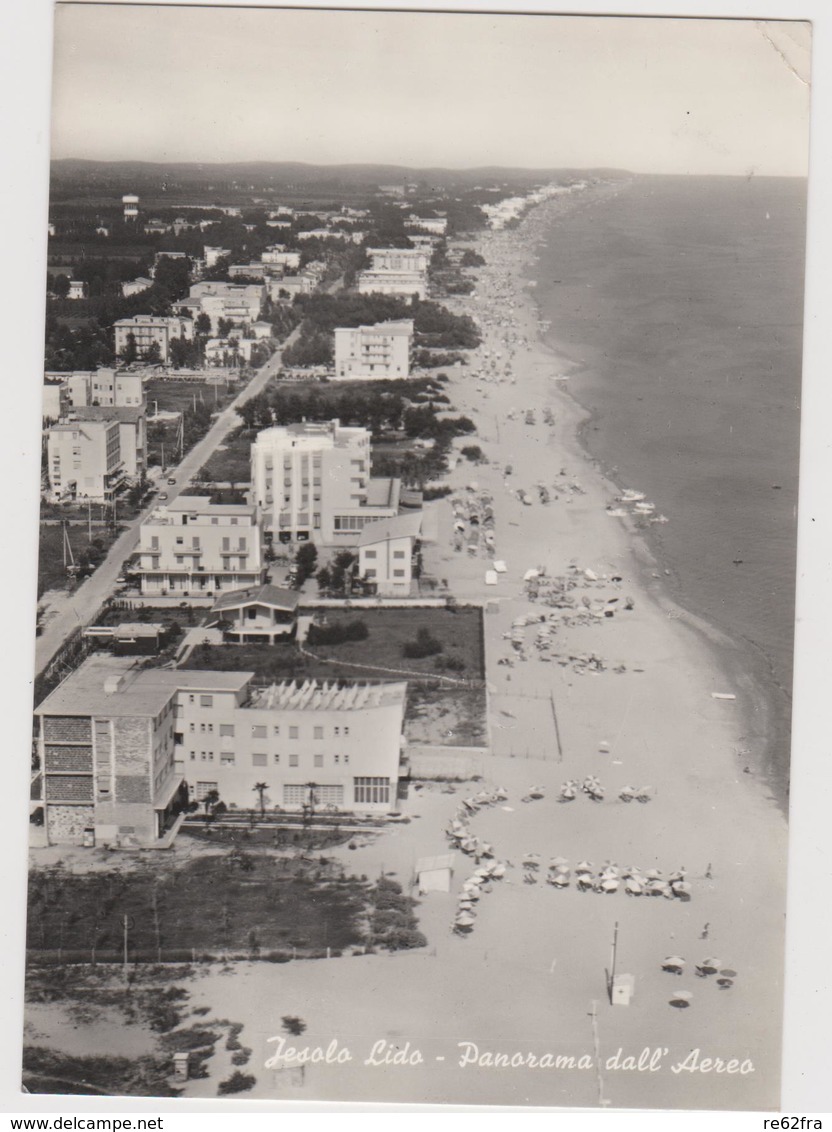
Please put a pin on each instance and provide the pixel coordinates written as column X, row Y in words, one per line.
column 257, row 614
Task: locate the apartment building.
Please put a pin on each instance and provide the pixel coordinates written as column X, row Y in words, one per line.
column 238, row 303
column 288, row 286
column 78, row 289
column 312, row 744
column 247, row 271
column 103, row 387
column 192, row 546
column 130, row 203
column 396, row 271
column 106, row 743
column 379, row 351
column 124, row 748
column 132, row 432
column 54, row 401
column 398, row 259
column 311, row 481
column 147, row 329
column 278, row 257
column 212, row 255
column 135, row 286
column 386, row 552
column 435, row 225
column 84, row 460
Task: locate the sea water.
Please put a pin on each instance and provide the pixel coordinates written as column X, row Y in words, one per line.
column 679, row 301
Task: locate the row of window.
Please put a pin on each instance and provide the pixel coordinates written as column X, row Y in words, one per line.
column 366, row 790
column 260, row 758
column 261, row 730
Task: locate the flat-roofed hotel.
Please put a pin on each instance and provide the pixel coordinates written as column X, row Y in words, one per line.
column 312, row 481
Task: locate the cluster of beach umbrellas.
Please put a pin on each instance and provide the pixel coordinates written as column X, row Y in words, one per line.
column 596, row 792
column 478, row 884
column 459, row 831
column 609, row 878
column 473, row 521
column 676, row 965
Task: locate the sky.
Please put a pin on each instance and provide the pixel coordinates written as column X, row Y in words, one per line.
column 163, row 83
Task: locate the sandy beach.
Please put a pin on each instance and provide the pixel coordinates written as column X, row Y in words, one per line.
column 531, row 975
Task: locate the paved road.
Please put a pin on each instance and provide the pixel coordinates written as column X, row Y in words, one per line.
column 87, row 599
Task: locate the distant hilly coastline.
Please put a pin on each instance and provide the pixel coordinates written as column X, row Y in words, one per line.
column 297, row 172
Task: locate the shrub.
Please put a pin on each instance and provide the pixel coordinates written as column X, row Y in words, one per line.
column 472, row 452
column 449, row 664
column 237, row 1083
column 338, row 633
column 423, row 645
column 293, row 1025
column 241, row 1057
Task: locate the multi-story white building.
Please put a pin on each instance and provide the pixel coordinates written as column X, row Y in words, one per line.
column 398, row 259
column 77, row 289
column 386, row 551
column 117, row 743
column 84, row 460
column 132, row 428
column 212, row 255
column 192, row 546
column 147, row 329
column 131, row 206
column 311, row 744
column 103, row 386
column 278, row 257
column 379, row 351
column 436, row 225
column 247, row 271
column 396, row 271
column 312, row 481
column 238, row 303
column 135, row 286
column 286, row 287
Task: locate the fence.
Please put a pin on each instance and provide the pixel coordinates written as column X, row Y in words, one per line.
column 71, row 957
column 457, row 763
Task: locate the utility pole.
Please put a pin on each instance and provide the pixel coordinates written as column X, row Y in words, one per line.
column 89, row 520
column 602, row 1100
column 613, row 957
column 126, row 925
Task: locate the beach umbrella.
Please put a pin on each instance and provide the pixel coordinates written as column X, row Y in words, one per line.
column 728, row 973
column 562, row 870
column 673, row 963
column 584, row 881
column 710, row 966
column 610, row 884
column 724, row 984
column 464, row 920
column 560, row 880
column 653, row 874
column 584, row 867
column 681, row 999
column 556, row 861
column 681, row 889
column 499, row 871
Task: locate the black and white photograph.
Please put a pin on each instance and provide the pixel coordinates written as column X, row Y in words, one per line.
column 417, row 555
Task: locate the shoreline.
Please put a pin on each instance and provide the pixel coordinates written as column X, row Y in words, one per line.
column 744, row 662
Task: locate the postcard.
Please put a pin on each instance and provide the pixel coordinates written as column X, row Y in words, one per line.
column 417, row 557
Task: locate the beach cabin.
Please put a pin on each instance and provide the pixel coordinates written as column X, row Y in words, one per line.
column 433, row 874
column 257, row 614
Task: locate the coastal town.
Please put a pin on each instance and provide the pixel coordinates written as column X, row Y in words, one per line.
column 427, row 712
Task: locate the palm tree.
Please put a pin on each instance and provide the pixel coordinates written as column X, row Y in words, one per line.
column 261, row 788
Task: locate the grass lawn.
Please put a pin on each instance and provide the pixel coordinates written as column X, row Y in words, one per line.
column 436, row 711
column 208, row 903
column 179, row 396
column 231, row 463
column 52, row 574
column 459, row 632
